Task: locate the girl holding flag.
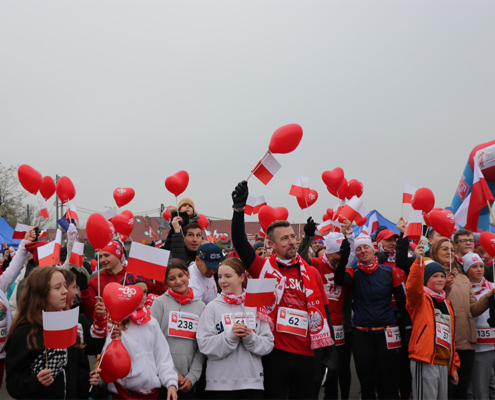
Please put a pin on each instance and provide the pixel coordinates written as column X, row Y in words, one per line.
column 233, row 338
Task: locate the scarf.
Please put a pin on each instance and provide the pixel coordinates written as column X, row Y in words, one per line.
column 182, row 299
column 57, row 361
column 489, row 263
column 440, row 297
column 482, row 286
column 369, row 268
column 458, row 258
column 319, row 330
column 327, row 262
column 390, row 254
column 141, row 316
column 234, row 298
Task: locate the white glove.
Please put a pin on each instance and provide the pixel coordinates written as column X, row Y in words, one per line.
column 71, row 233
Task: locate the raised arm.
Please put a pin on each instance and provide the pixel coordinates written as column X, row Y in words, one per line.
column 342, row 277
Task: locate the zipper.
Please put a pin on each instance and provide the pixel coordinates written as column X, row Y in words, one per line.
column 419, row 337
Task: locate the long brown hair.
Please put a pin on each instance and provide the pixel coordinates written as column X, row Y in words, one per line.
column 238, row 268
column 33, row 301
column 436, row 247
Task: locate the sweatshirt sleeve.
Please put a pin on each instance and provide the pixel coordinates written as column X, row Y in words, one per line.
column 402, row 259
column 414, row 286
column 304, row 249
column 211, row 343
column 196, row 367
column 164, row 362
column 11, row 273
column 239, row 240
column 260, row 343
column 478, row 307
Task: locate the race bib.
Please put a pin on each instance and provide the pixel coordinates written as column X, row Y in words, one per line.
column 486, row 335
column 444, row 337
column 338, row 331
column 182, row 324
column 248, row 319
column 292, row 321
column 393, row 337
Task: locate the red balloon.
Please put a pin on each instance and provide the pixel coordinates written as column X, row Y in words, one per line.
column 334, row 178
column 123, row 238
column 65, row 189
column 223, row 237
column 310, row 199
column 123, row 196
column 166, row 215
column 342, row 192
column 30, row 178
column 423, row 199
column 93, row 264
column 443, row 222
column 98, row 231
column 203, row 221
column 341, row 218
column 268, row 214
column 360, row 221
column 116, row 362
column 285, row 139
column 177, row 182
column 121, row 301
column 112, row 228
column 326, row 217
column 487, row 240
column 354, row 188
column 48, row 187
column 426, row 217
column 123, row 223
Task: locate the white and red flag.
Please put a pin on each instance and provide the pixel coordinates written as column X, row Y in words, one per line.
column 408, row 193
column 300, row 187
column 373, row 223
column 215, row 236
column 148, row 261
column 351, row 209
column 43, row 208
column 158, row 243
column 414, row 227
column 262, row 233
column 60, row 328
column 208, row 236
column 468, row 213
column 42, row 233
column 325, row 227
column 72, row 212
column 260, row 292
column 254, row 204
column 266, row 168
column 49, row 254
column 109, row 214
column 77, row 254
column 20, row 231
column 361, row 215
column 152, row 233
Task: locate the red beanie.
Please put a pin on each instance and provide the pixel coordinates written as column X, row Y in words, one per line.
column 114, row 248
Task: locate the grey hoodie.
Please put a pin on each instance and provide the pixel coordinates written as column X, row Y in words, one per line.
column 188, row 360
column 233, row 363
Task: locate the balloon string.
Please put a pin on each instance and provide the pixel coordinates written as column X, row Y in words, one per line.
column 307, row 207
column 37, row 222
column 450, row 256
column 259, row 164
column 177, row 207
column 98, row 267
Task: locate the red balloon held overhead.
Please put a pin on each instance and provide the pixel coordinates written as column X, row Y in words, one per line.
column 123, row 196
column 123, row 238
column 268, row 214
column 426, row 216
column 93, row 264
column 30, row 178
column 123, row 223
column 342, row 192
column 48, row 187
column 443, row 222
column 354, row 188
column 166, row 215
column 177, row 183
column 98, row 231
column 309, row 201
column 203, row 221
column 116, row 362
column 65, row 189
column 423, row 199
column 487, row 240
column 334, row 178
column 285, row 139
column 341, row 218
column 121, row 301
column 360, row 221
column 223, row 237
column 326, row 217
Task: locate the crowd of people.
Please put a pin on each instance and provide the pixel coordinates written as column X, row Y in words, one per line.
column 417, row 318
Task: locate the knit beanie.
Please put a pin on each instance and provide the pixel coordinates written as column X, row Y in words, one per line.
column 333, row 241
column 187, row 200
column 470, row 259
column 431, row 268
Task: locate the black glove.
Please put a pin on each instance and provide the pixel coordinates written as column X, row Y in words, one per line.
column 331, row 361
column 310, row 227
column 382, row 257
column 345, row 250
column 81, row 279
column 240, row 195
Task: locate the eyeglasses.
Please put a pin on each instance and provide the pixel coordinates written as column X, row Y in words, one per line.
column 463, row 241
column 444, row 248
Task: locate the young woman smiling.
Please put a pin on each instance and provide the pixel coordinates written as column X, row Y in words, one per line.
column 177, row 312
column 232, row 336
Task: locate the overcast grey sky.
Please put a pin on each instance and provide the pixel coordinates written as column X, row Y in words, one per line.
column 126, row 93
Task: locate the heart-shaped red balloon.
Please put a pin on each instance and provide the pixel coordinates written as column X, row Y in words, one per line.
column 223, row 237
column 177, row 182
column 48, row 187
column 65, row 189
column 310, row 199
column 116, row 362
column 443, row 222
column 203, row 221
column 123, row 223
column 123, row 196
column 93, row 264
column 121, row 301
column 30, row 178
column 268, row 214
column 342, row 192
column 360, row 221
column 285, row 139
column 166, row 215
column 354, row 188
column 98, row 231
column 423, row 199
column 326, row 217
column 334, row 178
column 426, row 216
column 487, row 240
column 123, row 238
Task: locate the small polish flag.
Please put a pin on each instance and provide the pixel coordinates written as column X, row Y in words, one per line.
column 260, row 202
column 373, row 223
column 71, row 212
column 148, row 261
column 208, row 236
column 414, row 227
column 300, row 187
column 254, row 204
column 20, row 231
column 215, row 236
column 60, row 328
column 42, row 233
column 325, row 227
column 260, row 292
column 43, row 208
column 49, row 254
column 361, row 215
column 351, row 209
column 408, row 193
column 158, row 243
column 266, row 168
column 262, row 233
column 77, row 255
column 109, row 214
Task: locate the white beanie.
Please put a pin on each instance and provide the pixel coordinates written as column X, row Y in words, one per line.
column 333, row 241
column 363, row 239
column 470, row 259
